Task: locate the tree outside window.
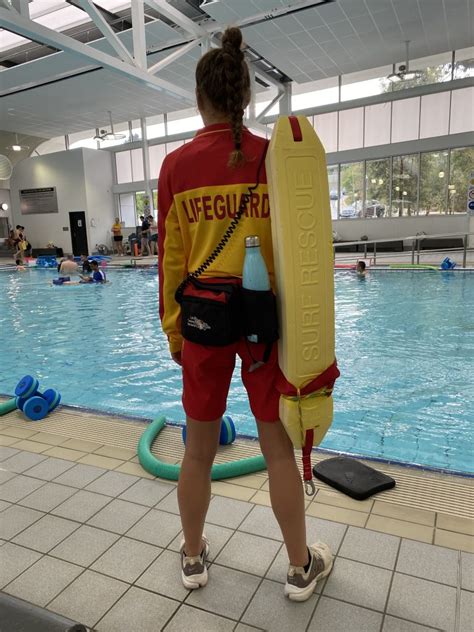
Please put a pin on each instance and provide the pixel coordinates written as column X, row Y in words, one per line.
column 377, row 188
column 461, row 165
column 352, row 189
column 433, row 182
column 404, row 185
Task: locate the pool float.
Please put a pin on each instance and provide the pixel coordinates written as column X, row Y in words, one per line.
column 170, row 471
column 227, row 434
column 7, row 406
column 411, row 266
column 304, row 275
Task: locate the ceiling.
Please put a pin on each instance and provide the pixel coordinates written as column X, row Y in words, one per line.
column 61, row 93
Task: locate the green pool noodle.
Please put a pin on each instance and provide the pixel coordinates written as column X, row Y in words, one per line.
column 412, row 266
column 170, row 471
column 8, row 406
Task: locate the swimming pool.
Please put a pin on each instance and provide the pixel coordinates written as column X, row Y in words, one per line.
column 405, row 347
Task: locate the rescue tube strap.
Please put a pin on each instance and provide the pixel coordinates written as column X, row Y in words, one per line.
column 307, row 471
column 325, row 379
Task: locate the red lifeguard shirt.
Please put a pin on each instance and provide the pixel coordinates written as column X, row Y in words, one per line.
column 198, row 196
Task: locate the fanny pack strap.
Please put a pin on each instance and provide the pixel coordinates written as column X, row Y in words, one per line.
column 226, row 236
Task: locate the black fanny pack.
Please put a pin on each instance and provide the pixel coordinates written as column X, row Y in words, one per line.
column 210, row 312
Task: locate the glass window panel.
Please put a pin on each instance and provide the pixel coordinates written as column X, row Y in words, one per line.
column 365, row 83
column 351, row 129
column 326, row 128
column 377, row 124
column 142, row 205
column 433, row 183
column 123, row 162
column 333, row 177
column 462, row 111
column 157, row 155
column 315, row 94
column 464, row 63
column 461, row 165
column 172, row 146
column 127, row 209
column 155, row 126
column 405, row 119
column 137, row 164
column 404, row 185
column 377, row 188
column 352, row 187
column 434, row 114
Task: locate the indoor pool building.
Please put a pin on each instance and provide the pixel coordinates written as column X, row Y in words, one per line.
column 113, row 186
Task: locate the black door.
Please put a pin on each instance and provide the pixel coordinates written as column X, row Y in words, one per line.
column 77, row 221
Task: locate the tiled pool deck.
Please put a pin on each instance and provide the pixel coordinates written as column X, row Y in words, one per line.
column 85, row 532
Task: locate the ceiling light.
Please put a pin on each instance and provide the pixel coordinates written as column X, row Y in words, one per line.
column 16, row 145
column 404, row 73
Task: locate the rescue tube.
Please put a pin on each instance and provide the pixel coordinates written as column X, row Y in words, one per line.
column 8, row 406
column 304, row 277
column 412, row 266
column 170, row 471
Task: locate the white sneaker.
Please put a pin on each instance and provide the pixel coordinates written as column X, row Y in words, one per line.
column 193, row 568
column 301, row 584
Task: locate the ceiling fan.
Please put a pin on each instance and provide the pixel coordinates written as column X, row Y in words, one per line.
column 17, row 146
column 404, row 73
column 105, row 135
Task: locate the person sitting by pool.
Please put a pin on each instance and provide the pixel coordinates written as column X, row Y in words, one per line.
column 97, row 276
column 68, row 266
column 86, row 266
column 361, row 268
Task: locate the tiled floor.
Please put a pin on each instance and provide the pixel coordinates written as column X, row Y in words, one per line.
column 84, row 534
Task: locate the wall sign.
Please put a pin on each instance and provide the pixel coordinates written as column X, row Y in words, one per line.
column 33, row 201
column 470, row 195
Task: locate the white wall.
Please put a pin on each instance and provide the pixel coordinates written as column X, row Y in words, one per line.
column 98, row 180
column 5, row 198
column 398, row 227
column 83, row 181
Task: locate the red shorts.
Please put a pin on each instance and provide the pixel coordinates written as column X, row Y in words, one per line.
column 207, row 372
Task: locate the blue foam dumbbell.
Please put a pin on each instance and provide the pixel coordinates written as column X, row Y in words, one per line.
column 227, row 433
column 35, row 408
column 27, row 387
column 53, row 398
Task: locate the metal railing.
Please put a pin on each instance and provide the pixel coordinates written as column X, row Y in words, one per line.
column 414, row 247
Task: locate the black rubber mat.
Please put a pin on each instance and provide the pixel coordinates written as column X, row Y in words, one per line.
column 351, row 477
column 17, row 615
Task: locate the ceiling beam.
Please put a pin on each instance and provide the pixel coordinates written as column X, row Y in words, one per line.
column 177, row 17
column 138, row 34
column 174, row 56
column 102, row 24
column 37, row 32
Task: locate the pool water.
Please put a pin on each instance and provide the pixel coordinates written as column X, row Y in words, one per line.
column 405, row 347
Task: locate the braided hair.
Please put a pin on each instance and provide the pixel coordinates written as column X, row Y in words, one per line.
column 222, row 77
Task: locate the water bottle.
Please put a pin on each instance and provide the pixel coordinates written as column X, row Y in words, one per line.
column 255, row 273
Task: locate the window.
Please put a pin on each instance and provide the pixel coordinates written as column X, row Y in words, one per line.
column 366, row 83
column 137, row 164
column 352, row 188
column 433, row 183
column 404, row 185
column 155, row 126
column 405, row 119
column 377, row 124
column 464, row 63
column 127, row 209
column 333, row 181
column 123, row 163
column 323, row 92
column 326, row 128
column 435, row 69
column 462, row 111
column 434, row 119
column 157, row 155
column 351, row 129
column 142, row 205
column 377, row 188
column 461, row 166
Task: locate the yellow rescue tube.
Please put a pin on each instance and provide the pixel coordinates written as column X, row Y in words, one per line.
column 304, row 272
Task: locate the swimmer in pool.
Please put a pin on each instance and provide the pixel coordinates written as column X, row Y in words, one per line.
column 19, row 266
column 97, row 276
column 361, row 268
